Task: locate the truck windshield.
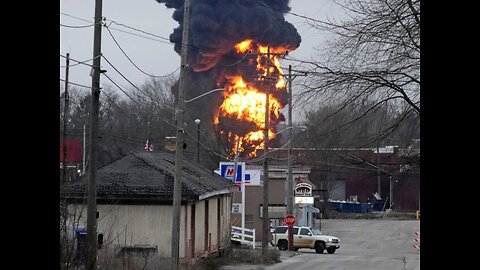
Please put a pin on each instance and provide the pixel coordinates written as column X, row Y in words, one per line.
column 316, row 232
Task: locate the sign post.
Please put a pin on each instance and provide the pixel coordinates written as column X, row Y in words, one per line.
column 235, row 172
column 290, row 221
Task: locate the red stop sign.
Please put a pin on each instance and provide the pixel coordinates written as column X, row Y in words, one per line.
column 289, row 220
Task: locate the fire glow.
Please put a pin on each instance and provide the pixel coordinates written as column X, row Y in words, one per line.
column 245, row 98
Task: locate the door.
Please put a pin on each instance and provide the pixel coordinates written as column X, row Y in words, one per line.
column 305, row 239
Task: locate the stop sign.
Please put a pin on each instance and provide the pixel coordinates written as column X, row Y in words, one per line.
column 289, row 220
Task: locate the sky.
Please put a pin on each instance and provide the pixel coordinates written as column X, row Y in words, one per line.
column 153, row 55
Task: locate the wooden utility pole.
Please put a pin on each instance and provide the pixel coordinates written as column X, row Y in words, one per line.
column 177, row 186
column 379, row 179
column 65, row 120
column 266, row 220
column 91, row 261
column 84, row 164
column 289, row 184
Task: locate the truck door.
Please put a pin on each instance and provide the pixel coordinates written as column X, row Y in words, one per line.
column 305, row 239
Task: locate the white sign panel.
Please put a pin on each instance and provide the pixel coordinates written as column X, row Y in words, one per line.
column 237, row 208
column 252, row 177
column 304, row 200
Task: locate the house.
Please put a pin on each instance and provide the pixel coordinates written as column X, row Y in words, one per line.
column 134, row 204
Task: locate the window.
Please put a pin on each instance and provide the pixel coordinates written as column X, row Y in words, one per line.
column 281, row 229
column 305, row 231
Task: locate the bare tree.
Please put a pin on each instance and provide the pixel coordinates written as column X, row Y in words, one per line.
column 374, row 57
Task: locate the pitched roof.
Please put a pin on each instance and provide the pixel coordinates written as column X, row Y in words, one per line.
column 148, row 176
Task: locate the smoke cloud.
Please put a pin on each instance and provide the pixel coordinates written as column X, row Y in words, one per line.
column 217, row 25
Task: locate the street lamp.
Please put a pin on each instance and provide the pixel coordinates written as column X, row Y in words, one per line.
column 204, row 94
column 197, row 121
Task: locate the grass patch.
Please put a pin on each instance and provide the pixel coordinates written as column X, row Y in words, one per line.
column 239, row 256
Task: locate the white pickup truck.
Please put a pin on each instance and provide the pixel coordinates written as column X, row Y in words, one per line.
column 304, row 237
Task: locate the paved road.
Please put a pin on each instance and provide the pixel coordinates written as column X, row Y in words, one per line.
column 365, row 245
column 373, row 244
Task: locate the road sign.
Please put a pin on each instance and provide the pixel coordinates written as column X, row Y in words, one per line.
column 289, row 220
column 227, row 170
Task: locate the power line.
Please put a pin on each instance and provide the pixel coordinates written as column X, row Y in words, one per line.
column 209, row 50
column 142, row 31
column 129, row 59
column 81, row 62
column 146, row 95
column 77, row 84
column 77, row 26
column 71, row 16
column 292, row 13
column 121, row 89
column 160, row 41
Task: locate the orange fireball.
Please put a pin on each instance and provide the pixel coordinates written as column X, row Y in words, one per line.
column 244, row 101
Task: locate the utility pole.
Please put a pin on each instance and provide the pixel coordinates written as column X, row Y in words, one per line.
column 91, row 261
column 391, row 192
column 177, row 187
column 242, row 187
column 84, row 151
column 65, row 119
column 379, row 180
column 197, row 121
column 266, row 220
column 289, row 185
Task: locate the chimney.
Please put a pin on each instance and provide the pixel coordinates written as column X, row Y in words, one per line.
column 170, row 144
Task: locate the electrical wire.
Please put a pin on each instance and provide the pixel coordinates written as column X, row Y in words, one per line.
column 75, row 26
column 146, row 95
column 121, row 89
column 131, row 61
column 79, row 62
column 77, row 84
column 71, row 16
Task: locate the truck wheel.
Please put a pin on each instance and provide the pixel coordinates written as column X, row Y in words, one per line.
column 282, row 245
column 296, row 249
column 319, row 247
column 331, row 250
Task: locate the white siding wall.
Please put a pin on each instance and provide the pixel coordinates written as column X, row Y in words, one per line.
column 212, row 222
column 199, row 228
column 138, row 225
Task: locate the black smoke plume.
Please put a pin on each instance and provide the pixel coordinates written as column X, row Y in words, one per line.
column 216, row 26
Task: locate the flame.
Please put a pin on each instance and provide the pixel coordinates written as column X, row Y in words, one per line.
column 244, row 101
column 243, row 46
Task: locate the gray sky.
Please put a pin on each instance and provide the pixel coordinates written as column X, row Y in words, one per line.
column 153, row 56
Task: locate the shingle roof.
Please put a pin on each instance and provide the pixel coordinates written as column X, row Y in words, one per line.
column 148, row 176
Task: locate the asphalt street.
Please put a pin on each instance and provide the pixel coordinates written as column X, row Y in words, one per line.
column 366, row 244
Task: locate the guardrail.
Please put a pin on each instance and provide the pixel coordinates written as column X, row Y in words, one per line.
column 248, row 236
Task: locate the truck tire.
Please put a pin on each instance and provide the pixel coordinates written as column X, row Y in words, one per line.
column 319, row 247
column 282, row 244
column 331, row 250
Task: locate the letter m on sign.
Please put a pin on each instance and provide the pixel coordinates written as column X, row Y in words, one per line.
column 229, row 173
